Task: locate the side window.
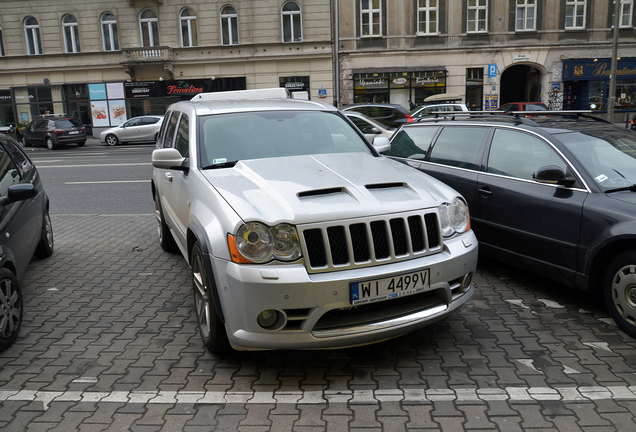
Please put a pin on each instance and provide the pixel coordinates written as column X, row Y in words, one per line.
column 518, row 154
column 412, row 142
column 172, row 126
column 458, row 146
column 149, row 120
column 9, row 174
column 24, row 165
column 364, row 126
column 182, row 139
column 162, row 131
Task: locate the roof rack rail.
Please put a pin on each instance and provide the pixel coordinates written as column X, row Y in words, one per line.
column 460, row 115
column 523, row 117
column 268, row 93
column 585, row 114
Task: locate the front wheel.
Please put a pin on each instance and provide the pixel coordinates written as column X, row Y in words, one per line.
column 10, row 308
column 211, row 328
column 112, row 140
column 49, row 144
column 620, row 291
column 45, row 246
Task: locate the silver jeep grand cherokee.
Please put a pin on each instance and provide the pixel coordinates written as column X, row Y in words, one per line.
column 299, row 234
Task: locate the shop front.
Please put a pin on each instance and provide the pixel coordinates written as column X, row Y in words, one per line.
column 586, row 84
column 398, row 85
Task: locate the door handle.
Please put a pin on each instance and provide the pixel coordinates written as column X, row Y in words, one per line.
column 485, row 191
column 168, row 176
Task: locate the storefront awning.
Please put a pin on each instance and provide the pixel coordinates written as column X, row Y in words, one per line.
column 399, row 69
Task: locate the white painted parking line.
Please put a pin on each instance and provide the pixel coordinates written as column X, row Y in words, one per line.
column 109, row 181
column 563, row 394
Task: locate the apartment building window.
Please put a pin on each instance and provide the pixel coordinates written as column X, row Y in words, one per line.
column 71, row 34
column 625, row 11
column 575, row 14
column 32, row 35
column 188, row 20
column 477, row 16
column 292, row 24
column 109, row 32
column 371, row 17
column 526, row 13
column 229, row 26
column 149, row 28
column 427, row 16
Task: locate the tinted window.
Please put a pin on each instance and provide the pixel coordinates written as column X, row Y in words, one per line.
column 536, row 107
column 458, row 146
column 23, row 163
column 67, row 124
column 363, row 125
column 517, row 154
column 133, row 122
column 162, row 132
column 182, row 139
column 172, row 126
column 9, row 174
column 150, row 120
column 412, row 142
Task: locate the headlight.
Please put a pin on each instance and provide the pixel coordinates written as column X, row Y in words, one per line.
column 454, row 217
column 258, row 243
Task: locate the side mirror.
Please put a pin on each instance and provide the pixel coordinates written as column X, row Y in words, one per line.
column 168, row 158
column 552, row 174
column 19, row 192
column 381, row 144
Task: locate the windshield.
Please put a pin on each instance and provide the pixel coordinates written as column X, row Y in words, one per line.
column 609, row 157
column 267, row 134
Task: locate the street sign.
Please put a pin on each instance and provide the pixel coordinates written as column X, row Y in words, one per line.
column 322, row 93
column 492, row 70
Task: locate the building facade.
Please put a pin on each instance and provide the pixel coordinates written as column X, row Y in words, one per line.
column 488, row 51
column 106, row 61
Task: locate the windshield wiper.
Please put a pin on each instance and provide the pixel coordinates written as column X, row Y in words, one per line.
column 228, row 164
column 631, row 188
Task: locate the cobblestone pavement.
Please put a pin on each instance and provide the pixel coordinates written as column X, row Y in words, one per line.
column 109, row 343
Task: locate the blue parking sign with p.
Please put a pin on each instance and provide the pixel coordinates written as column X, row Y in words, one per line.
column 492, row 70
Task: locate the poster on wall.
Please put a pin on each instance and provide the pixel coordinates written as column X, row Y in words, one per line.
column 115, row 90
column 97, row 91
column 99, row 110
column 117, row 110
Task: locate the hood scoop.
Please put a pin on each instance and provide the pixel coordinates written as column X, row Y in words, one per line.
column 393, row 192
column 319, row 192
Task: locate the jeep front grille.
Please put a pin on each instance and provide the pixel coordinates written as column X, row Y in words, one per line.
column 354, row 243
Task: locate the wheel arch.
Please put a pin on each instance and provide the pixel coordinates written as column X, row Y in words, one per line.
column 603, row 257
column 196, row 234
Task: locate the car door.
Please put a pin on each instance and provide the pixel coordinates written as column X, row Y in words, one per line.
column 175, row 182
column 130, row 130
column 20, row 222
column 148, row 128
column 520, row 219
column 38, row 131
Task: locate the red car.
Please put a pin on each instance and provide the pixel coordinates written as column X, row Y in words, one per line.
column 523, row 106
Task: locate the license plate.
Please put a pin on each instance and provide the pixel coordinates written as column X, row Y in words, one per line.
column 73, row 132
column 390, row 287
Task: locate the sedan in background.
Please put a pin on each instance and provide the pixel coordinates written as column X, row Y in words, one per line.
column 369, row 127
column 25, row 231
column 137, row 129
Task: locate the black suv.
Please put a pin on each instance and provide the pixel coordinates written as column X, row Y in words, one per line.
column 390, row 115
column 54, row 131
column 555, row 194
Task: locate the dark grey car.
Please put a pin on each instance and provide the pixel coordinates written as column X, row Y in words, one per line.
column 25, row 231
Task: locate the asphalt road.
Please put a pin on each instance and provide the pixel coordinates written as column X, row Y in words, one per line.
column 96, row 178
column 110, row 343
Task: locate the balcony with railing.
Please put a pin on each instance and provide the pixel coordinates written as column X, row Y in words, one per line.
column 157, row 55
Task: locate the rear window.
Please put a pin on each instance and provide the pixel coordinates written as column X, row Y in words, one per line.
column 458, row 146
column 67, row 124
column 412, row 142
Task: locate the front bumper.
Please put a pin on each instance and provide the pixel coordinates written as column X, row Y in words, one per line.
column 315, row 309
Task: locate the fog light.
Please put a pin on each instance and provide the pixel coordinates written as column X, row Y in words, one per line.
column 267, row 318
column 466, row 280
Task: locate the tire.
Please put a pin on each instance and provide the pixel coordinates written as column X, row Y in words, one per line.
column 25, row 143
column 112, row 140
column 44, row 248
column 620, row 291
column 10, row 308
column 166, row 240
column 49, row 143
column 81, row 144
column 211, row 328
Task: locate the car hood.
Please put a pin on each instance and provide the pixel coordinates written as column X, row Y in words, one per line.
column 625, row 196
column 306, row 189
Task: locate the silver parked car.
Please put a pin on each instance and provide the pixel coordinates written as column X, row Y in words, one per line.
column 369, row 127
column 137, row 129
column 299, row 234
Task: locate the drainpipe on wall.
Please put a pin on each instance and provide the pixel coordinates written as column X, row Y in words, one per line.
column 611, row 100
column 335, row 28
